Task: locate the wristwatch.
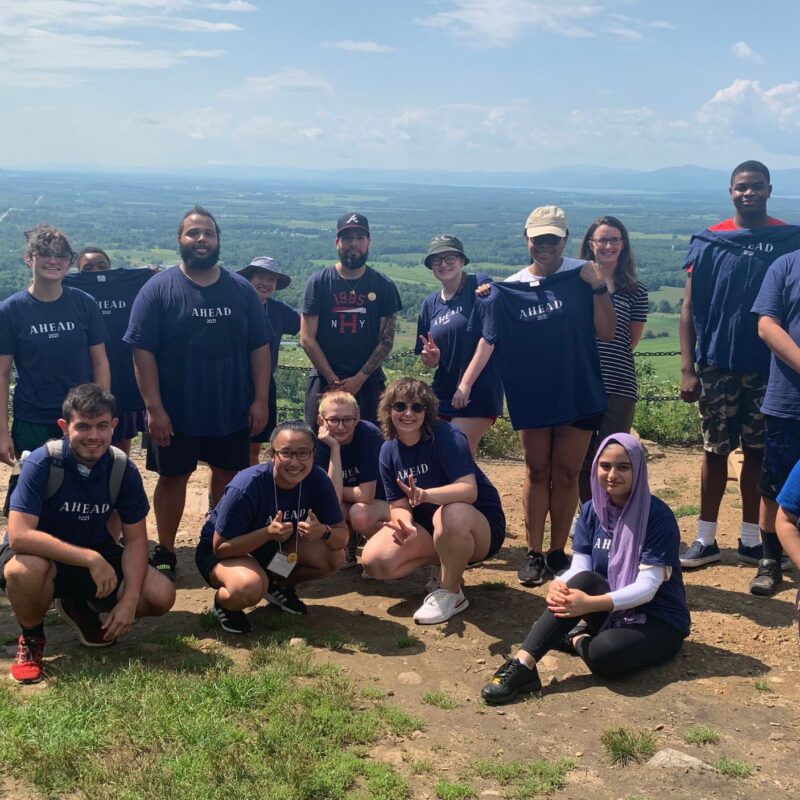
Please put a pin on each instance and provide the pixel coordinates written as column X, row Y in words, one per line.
column 327, row 534
column 603, row 289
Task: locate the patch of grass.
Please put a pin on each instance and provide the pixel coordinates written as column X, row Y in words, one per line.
column 447, row 790
column 177, row 643
column 207, row 621
column 421, row 766
column 11, row 638
column 686, row 511
column 733, row 768
column 285, row 727
column 405, row 640
column 701, row 734
column 762, row 685
column 626, row 746
column 373, row 693
column 440, row 700
column 529, row 779
column 492, row 586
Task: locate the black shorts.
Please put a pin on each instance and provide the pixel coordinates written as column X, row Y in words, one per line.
column 130, row 424
column 230, row 452
column 74, row 582
column 205, row 559
column 262, row 437
column 588, row 423
column 781, row 453
column 497, row 528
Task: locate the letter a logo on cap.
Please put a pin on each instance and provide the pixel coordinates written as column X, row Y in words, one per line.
column 353, row 218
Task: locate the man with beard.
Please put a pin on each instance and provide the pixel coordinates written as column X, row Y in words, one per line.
column 349, row 313
column 201, row 353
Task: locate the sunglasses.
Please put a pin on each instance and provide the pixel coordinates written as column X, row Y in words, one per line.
column 400, row 407
column 545, row 240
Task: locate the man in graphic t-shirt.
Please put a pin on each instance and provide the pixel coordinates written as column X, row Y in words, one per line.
column 725, row 365
column 202, row 358
column 349, row 312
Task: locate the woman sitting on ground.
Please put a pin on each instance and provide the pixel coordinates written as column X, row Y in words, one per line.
column 277, row 525
column 624, row 582
column 443, row 508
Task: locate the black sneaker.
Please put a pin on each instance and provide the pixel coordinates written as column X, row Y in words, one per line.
column 510, row 681
column 531, row 573
column 768, row 578
column 165, row 561
column 557, row 561
column 231, row 621
column 286, row 599
column 84, row 620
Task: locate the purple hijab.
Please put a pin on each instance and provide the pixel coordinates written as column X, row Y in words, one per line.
column 627, row 527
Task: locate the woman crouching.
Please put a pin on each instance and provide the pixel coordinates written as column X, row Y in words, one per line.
column 443, row 508
column 624, row 582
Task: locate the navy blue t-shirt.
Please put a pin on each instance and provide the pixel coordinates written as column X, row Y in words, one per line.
column 727, row 268
column 780, row 298
column 202, row 337
column 447, row 321
column 284, row 320
column 78, row 512
column 546, row 348
column 50, row 343
column 114, row 292
column 359, row 457
column 661, row 546
column 438, row 461
column 248, row 503
column 350, row 313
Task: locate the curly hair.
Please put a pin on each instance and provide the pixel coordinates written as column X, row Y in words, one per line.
column 410, row 390
column 47, row 240
column 625, row 277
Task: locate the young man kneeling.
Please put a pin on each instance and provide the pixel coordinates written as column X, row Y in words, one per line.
column 58, row 544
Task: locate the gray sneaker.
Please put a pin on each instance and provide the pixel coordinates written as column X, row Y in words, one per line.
column 532, row 570
column 768, row 578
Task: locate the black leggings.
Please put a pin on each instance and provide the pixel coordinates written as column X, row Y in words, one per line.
column 611, row 652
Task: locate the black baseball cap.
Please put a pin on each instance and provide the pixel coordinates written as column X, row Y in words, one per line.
column 352, row 220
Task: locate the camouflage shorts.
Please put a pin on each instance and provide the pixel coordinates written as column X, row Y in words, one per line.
column 730, row 409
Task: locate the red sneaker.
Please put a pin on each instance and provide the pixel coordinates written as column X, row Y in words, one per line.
column 28, row 666
column 84, row 620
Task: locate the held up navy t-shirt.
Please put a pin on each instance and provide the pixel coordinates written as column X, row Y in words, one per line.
column 779, row 298
column 78, row 512
column 350, row 313
column 546, row 348
column 727, row 269
column 50, row 343
column 114, row 292
column 359, row 457
column 447, row 321
column 201, row 337
column 248, row 503
column 438, row 461
column 661, row 546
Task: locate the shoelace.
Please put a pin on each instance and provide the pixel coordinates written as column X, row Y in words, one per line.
column 29, row 650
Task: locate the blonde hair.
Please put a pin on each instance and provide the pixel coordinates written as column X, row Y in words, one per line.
column 338, row 397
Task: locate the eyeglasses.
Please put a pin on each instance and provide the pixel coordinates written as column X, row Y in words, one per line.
column 612, row 242
column 450, row 260
column 288, row 455
column 400, row 407
column 545, row 240
column 334, row 422
column 60, row 256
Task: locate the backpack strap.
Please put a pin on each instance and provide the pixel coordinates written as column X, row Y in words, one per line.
column 118, row 465
column 56, row 476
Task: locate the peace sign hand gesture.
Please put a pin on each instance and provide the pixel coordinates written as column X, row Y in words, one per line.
column 403, row 532
column 415, row 495
column 430, row 352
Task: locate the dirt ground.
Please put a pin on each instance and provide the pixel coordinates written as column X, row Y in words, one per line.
column 737, row 672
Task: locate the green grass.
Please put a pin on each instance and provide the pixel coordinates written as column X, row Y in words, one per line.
column 626, row 746
column 440, row 700
column 373, row 693
column 447, row 790
column 284, row 727
column 492, row 586
column 686, row 511
column 526, row 779
column 421, row 766
column 701, row 734
column 762, row 685
column 406, row 640
column 733, row 768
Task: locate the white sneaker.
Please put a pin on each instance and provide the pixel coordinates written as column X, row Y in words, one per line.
column 439, row 606
column 432, row 582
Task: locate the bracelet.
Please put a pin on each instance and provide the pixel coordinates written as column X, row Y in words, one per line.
column 600, row 290
column 327, row 534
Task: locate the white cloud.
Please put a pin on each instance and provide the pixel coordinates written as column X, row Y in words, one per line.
column 500, row 22
column 743, row 51
column 288, row 80
column 361, row 47
column 201, row 53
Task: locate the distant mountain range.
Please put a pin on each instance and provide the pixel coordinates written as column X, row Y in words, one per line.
column 578, row 177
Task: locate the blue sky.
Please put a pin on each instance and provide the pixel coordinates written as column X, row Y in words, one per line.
column 420, row 84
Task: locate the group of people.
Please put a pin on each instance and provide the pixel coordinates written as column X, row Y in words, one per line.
column 192, row 353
